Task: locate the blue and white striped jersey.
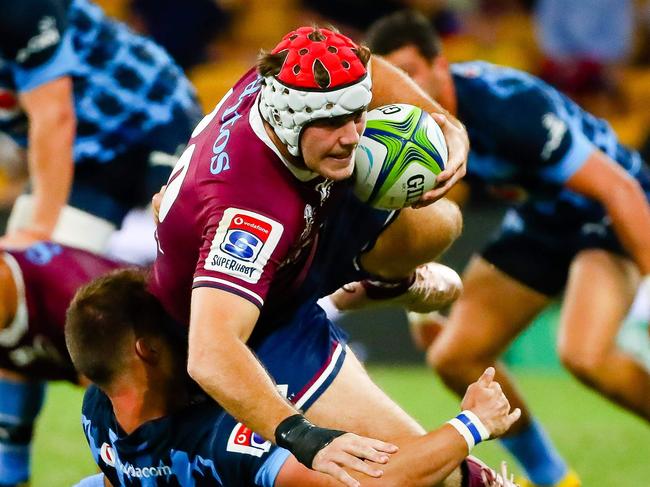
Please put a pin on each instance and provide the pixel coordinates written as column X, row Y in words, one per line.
column 526, row 134
column 124, row 85
column 199, row 446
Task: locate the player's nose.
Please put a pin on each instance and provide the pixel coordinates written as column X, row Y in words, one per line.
column 349, row 134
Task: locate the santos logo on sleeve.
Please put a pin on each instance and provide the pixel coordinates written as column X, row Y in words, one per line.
column 243, row 244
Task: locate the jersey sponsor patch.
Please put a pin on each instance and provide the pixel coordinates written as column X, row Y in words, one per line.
column 243, row 244
column 243, row 440
column 107, row 454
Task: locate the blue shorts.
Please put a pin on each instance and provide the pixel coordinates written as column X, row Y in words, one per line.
column 294, row 339
column 302, row 350
column 537, row 251
column 303, row 356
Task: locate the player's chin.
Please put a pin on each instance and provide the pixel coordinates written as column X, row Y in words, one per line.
column 337, row 168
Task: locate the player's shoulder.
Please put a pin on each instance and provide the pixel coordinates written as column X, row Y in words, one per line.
column 225, row 135
column 203, row 427
column 231, row 151
column 483, row 79
column 38, row 254
column 230, row 113
column 500, row 100
column 31, row 30
column 195, row 429
column 46, row 253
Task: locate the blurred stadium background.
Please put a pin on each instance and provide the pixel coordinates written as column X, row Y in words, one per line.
column 217, row 40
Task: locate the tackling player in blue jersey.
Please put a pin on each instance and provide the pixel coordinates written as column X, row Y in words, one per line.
column 85, row 95
column 146, row 425
column 583, row 225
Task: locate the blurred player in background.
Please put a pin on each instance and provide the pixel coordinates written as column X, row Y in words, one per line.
column 258, row 221
column 36, row 285
column 135, row 241
column 582, row 223
column 141, row 417
column 101, row 111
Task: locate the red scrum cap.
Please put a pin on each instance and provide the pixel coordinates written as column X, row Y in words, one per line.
column 336, row 53
column 321, row 76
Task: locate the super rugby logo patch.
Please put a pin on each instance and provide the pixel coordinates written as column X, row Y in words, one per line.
column 243, row 440
column 246, row 237
column 243, row 244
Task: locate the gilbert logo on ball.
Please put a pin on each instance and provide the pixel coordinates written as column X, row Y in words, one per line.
column 399, row 156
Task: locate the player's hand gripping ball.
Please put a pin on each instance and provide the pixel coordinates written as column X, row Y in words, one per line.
column 399, row 156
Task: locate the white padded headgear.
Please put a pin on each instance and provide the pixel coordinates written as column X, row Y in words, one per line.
column 297, row 96
column 288, row 110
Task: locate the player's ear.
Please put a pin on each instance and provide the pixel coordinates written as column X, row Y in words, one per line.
column 148, row 350
column 440, row 62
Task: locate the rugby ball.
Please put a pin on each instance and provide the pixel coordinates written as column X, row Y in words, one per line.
column 400, row 153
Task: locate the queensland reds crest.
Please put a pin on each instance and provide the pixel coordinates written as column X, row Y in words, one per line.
column 243, row 440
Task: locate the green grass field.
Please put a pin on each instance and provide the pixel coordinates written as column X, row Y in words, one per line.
column 608, row 447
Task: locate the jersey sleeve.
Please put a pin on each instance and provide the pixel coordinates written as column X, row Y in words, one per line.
column 534, row 129
column 36, row 42
column 245, row 458
column 241, row 251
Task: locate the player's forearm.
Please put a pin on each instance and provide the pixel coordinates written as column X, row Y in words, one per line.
column 392, row 85
column 629, row 212
column 423, row 461
column 51, row 169
column 603, row 180
column 229, row 372
column 52, row 126
column 222, row 364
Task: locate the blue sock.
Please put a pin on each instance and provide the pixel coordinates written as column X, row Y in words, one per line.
column 20, row 403
column 537, row 455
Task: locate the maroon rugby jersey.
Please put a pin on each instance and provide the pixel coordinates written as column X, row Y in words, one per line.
column 47, row 275
column 235, row 215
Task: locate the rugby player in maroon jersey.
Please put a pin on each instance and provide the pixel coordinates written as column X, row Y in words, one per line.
column 258, row 221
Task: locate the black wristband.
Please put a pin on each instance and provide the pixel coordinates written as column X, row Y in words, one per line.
column 303, row 439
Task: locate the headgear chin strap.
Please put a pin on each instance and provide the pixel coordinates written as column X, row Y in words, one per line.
column 298, row 95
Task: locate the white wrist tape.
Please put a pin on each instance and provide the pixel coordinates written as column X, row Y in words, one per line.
column 470, row 427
